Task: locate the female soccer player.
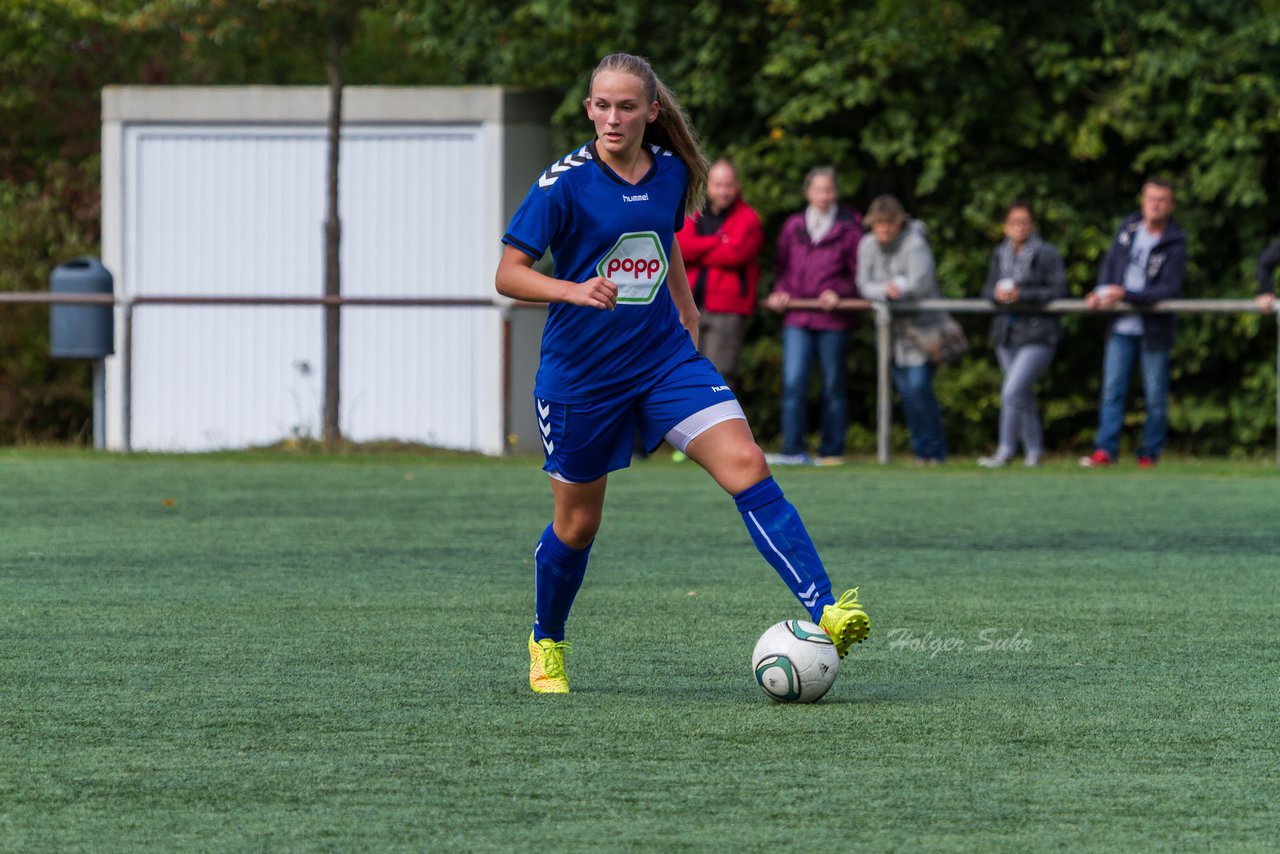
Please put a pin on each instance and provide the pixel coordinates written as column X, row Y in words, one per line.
column 619, row 352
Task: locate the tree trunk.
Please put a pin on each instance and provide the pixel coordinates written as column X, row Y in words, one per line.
column 332, row 255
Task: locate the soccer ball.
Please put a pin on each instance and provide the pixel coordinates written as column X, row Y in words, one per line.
column 795, row 662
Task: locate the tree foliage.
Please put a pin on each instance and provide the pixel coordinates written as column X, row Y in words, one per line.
column 956, row 107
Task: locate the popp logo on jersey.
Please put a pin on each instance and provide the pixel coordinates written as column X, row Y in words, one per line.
column 637, row 264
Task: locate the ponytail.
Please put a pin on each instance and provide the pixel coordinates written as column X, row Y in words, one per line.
column 672, row 129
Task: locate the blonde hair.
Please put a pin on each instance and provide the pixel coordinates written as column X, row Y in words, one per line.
column 885, row 209
column 672, row 129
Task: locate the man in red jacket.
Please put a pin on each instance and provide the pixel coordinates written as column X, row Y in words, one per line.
column 720, row 246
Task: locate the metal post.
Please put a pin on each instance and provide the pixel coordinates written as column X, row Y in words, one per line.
column 508, row 443
column 126, row 376
column 884, row 421
column 99, row 404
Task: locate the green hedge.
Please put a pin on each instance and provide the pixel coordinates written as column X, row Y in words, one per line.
column 956, row 107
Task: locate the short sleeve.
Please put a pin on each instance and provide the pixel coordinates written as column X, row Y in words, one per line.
column 538, row 220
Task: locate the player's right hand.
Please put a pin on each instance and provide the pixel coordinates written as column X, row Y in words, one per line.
column 597, row 292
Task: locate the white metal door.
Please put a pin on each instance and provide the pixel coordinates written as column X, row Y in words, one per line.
column 238, row 211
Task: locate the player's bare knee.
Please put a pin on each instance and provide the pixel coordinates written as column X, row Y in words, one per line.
column 580, row 527
column 750, row 460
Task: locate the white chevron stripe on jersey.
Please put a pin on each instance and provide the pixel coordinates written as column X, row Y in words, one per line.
column 564, row 164
column 658, row 149
column 544, row 425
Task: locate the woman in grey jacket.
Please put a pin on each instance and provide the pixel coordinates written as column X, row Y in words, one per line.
column 896, row 264
column 1024, row 271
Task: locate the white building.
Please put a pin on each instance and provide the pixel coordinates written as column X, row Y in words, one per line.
column 220, row 191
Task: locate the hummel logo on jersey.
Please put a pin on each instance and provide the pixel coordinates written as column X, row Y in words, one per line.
column 719, row 388
column 564, row 164
column 643, row 197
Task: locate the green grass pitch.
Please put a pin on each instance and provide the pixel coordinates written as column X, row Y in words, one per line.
column 255, row 652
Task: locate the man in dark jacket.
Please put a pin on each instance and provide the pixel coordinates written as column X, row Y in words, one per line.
column 1268, row 261
column 720, row 246
column 1145, row 264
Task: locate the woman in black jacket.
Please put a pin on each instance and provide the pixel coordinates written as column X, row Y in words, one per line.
column 1024, row 271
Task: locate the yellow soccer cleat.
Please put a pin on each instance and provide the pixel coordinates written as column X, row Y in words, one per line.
column 845, row 622
column 546, row 666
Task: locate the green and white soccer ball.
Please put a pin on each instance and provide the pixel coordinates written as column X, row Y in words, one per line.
column 795, row 662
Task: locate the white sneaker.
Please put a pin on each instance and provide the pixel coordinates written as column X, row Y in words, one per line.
column 993, row 462
column 788, row 459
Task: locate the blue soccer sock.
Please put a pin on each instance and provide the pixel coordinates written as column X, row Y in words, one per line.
column 781, row 537
column 558, row 573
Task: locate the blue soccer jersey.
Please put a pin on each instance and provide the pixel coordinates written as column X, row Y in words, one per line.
column 595, row 223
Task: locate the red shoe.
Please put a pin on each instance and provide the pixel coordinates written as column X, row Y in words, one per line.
column 1098, row 459
column 1146, row 462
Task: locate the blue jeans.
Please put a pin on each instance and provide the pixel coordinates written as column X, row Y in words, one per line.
column 1117, row 365
column 924, row 415
column 799, row 346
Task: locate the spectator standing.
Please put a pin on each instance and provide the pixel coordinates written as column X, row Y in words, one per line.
column 895, row 263
column 721, row 249
column 817, row 259
column 1024, row 271
column 1268, row 261
column 1145, row 264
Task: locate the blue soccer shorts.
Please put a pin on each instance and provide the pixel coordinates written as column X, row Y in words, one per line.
column 585, row 441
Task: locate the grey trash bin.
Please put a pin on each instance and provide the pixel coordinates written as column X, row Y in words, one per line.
column 81, row 331
column 84, row 331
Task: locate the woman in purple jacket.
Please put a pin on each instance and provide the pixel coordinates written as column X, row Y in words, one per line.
column 817, row 259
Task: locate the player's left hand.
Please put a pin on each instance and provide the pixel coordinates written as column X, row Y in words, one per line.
column 828, row 300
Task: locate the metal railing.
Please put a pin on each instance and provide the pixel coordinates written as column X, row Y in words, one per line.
column 128, row 305
column 883, row 311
